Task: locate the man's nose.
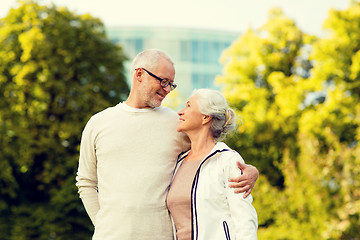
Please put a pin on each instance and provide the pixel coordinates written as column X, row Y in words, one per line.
column 167, row 88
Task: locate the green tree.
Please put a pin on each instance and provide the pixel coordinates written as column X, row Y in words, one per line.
column 57, row 68
column 298, row 97
column 335, row 124
column 264, row 79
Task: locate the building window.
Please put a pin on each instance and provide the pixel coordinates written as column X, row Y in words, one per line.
column 216, row 51
column 138, row 42
column 195, row 51
column 195, row 81
column 202, row 51
column 206, row 52
column 185, row 52
column 203, row 80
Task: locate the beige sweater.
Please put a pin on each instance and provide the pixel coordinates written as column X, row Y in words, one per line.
column 127, row 157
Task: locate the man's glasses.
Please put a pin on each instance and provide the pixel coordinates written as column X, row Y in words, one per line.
column 163, row 82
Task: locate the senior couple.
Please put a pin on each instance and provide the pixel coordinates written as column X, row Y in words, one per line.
column 140, row 161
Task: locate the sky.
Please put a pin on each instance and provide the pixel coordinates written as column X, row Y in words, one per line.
column 226, row 15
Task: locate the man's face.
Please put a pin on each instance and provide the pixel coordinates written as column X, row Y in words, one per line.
column 152, row 93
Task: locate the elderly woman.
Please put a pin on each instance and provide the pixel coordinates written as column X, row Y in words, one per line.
column 200, row 201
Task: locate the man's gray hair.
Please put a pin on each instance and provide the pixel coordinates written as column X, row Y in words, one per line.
column 149, row 59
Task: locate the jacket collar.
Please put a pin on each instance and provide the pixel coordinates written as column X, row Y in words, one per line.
column 219, row 147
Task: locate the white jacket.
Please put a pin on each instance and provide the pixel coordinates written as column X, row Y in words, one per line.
column 217, row 212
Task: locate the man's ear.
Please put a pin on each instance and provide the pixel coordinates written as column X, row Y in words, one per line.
column 138, row 73
column 206, row 119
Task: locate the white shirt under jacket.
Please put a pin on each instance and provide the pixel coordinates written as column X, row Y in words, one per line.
column 216, row 211
column 127, row 157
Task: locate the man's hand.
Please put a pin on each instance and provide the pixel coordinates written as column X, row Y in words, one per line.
column 246, row 181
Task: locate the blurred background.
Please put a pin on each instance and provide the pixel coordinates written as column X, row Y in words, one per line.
column 290, row 68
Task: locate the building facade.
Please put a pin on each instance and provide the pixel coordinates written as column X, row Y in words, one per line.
column 195, row 52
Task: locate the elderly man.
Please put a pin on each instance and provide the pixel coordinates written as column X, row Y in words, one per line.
column 128, row 153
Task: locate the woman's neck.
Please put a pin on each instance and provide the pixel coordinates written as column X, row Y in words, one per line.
column 201, row 145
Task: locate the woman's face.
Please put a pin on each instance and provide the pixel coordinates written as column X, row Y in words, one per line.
column 190, row 118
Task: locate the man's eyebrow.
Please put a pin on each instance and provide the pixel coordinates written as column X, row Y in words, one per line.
column 165, row 78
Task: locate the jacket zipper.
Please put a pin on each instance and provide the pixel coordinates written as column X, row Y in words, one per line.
column 194, row 225
column 226, row 230
column 194, row 232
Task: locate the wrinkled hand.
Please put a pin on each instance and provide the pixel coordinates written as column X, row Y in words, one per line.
column 246, row 181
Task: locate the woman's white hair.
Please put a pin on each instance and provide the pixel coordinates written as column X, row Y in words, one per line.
column 213, row 103
column 149, row 59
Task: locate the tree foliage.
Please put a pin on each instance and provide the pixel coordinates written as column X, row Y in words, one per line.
column 265, row 79
column 298, row 97
column 57, row 68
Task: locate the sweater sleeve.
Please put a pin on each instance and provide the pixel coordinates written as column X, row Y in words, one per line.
column 86, row 179
column 242, row 212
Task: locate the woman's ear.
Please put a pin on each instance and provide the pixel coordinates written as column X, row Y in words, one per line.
column 206, row 119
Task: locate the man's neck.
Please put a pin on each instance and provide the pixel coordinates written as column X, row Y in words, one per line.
column 135, row 104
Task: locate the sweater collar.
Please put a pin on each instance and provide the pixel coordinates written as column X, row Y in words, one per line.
column 126, row 107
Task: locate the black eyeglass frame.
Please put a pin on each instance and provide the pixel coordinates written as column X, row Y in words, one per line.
column 163, row 82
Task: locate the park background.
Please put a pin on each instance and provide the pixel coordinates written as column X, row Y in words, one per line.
column 296, row 93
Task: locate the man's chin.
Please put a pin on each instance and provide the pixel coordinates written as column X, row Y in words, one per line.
column 155, row 104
